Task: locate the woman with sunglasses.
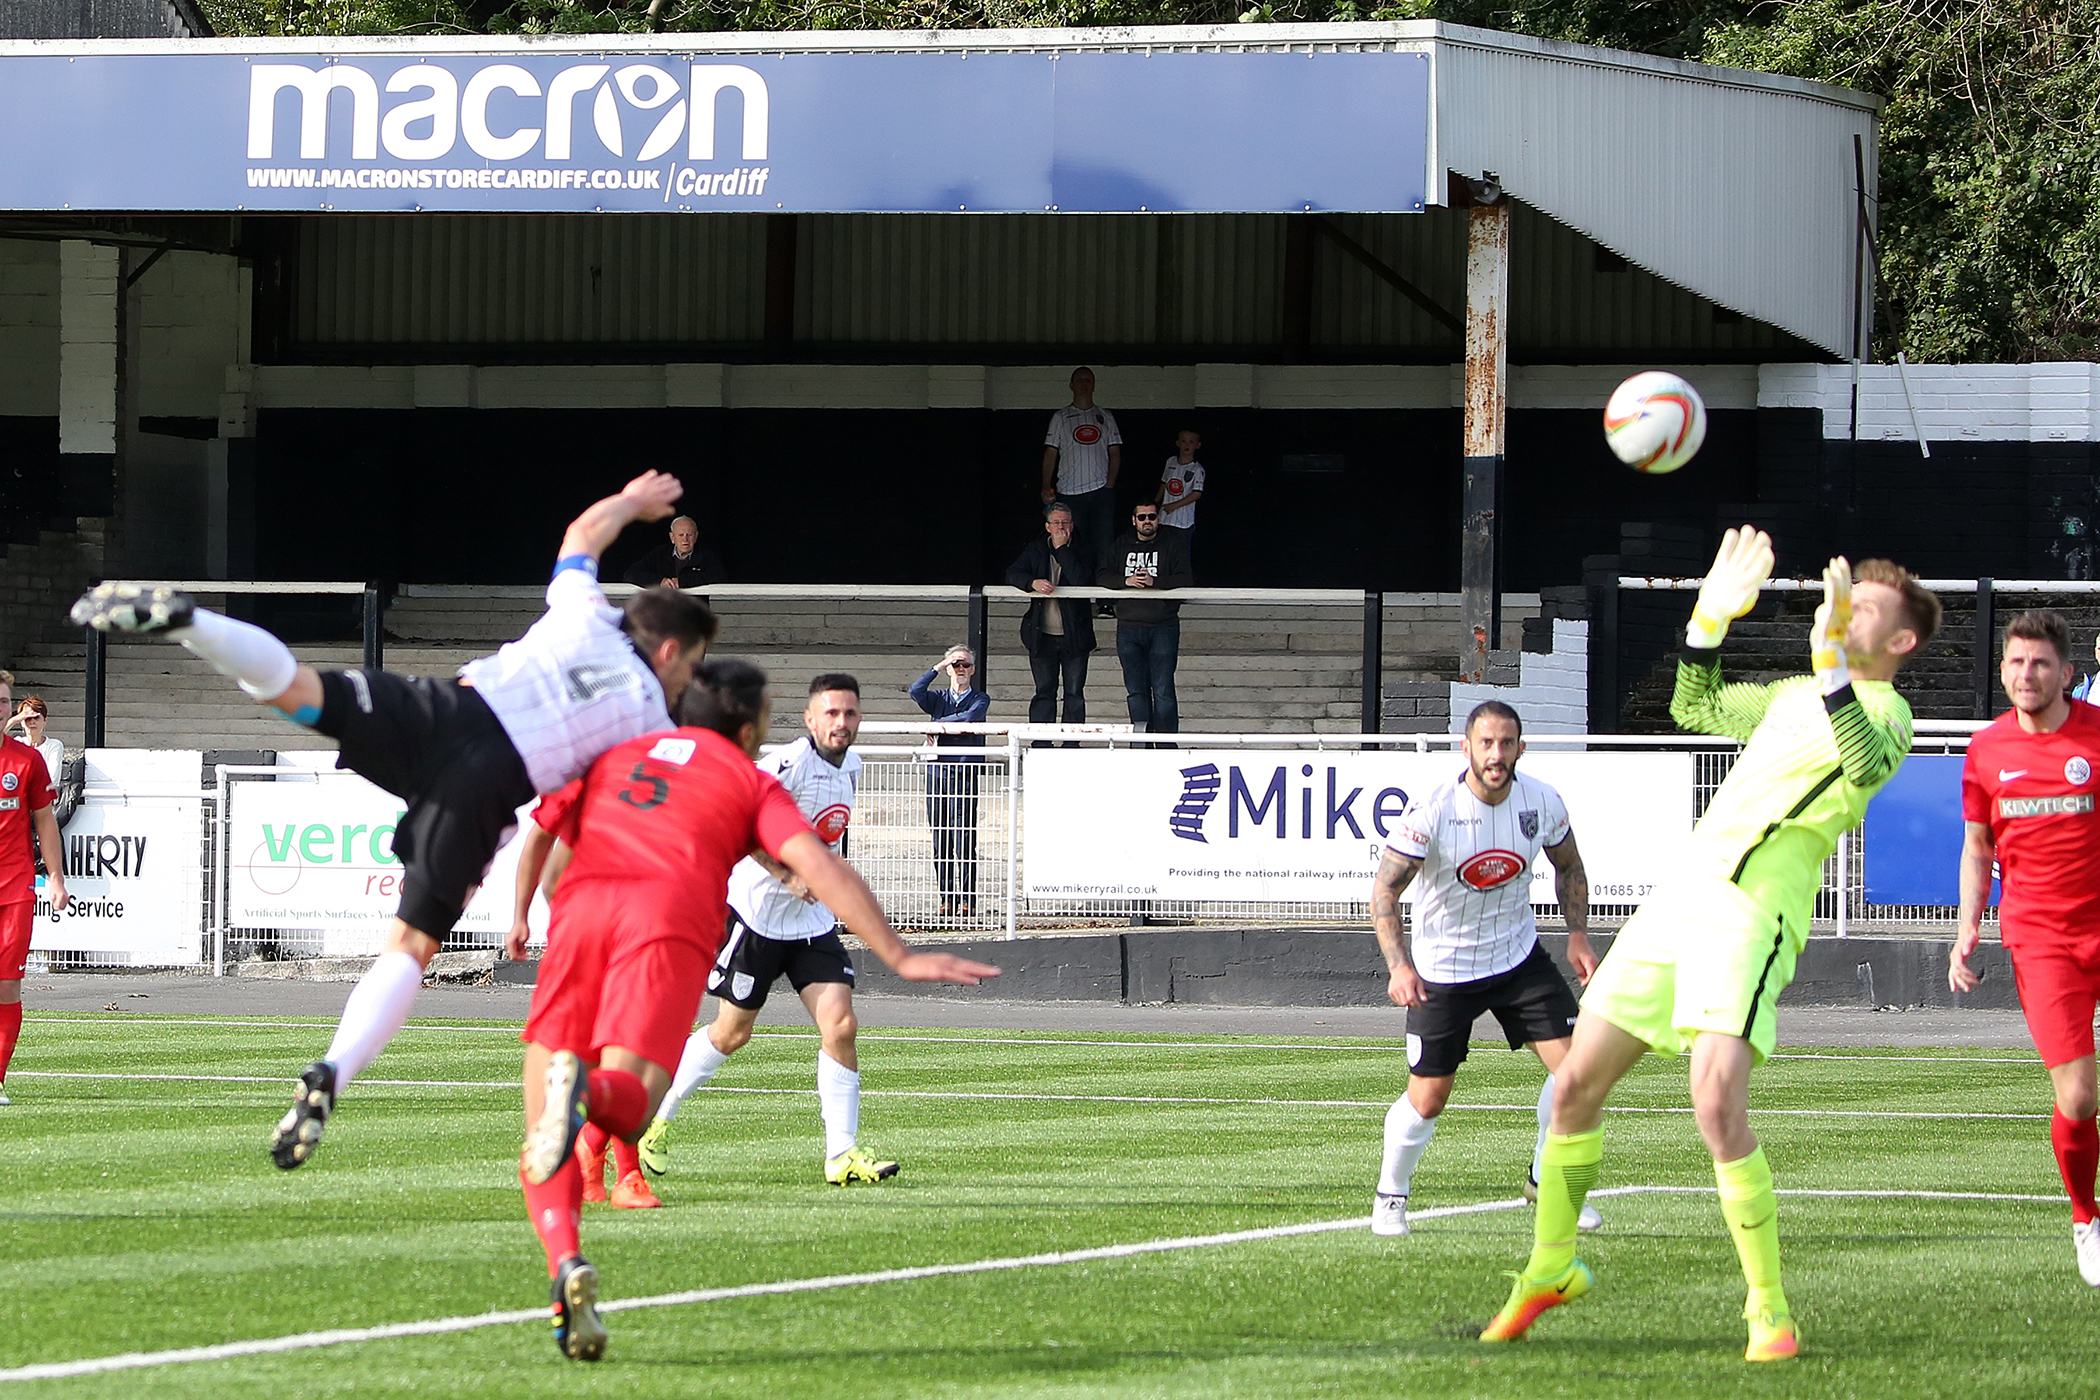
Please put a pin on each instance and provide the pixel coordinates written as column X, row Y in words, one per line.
column 951, row 782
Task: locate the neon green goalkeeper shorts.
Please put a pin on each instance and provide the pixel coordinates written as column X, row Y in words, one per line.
column 1701, row 955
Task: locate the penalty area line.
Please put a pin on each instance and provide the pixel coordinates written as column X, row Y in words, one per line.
column 343, row 1336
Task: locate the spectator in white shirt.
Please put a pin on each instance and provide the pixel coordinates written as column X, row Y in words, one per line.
column 1082, row 456
column 1181, row 486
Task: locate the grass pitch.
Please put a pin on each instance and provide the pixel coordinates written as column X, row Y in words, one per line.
column 143, row 1216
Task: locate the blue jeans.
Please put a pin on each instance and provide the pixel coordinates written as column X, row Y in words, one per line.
column 1148, row 652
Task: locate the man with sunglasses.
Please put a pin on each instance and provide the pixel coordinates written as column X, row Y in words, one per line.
column 1148, row 630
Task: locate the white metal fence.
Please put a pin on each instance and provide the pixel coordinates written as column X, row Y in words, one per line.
column 937, row 832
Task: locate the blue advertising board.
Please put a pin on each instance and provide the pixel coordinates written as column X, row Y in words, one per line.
column 536, row 132
column 1913, row 835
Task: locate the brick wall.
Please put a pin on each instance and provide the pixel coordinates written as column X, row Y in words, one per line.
column 39, row 581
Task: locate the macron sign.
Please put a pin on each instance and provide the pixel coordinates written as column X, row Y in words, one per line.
column 528, row 131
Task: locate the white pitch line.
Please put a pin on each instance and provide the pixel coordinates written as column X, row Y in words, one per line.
column 996, row 1096
column 340, row 1336
column 148, row 1019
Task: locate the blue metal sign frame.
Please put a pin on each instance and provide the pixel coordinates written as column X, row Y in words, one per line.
column 536, row 132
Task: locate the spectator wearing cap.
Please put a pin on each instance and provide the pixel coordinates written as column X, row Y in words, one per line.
column 952, row 779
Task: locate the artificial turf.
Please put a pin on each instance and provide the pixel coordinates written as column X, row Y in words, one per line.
column 143, row 1215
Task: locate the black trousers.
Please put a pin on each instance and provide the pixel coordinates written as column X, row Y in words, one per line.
column 1052, row 661
column 951, row 810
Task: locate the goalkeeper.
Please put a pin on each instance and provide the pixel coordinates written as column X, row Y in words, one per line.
column 1702, row 964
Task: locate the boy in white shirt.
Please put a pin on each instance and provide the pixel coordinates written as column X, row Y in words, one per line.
column 1181, row 485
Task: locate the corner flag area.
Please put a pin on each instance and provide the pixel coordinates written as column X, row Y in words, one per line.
column 1106, row 1214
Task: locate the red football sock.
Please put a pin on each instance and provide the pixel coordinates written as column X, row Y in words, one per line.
column 555, row 1206
column 593, row 1137
column 619, row 1103
column 10, row 1032
column 2077, row 1147
column 626, row 1158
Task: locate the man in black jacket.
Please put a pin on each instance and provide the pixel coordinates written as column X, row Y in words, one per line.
column 1058, row 633
column 683, row 563
column 1148, row 631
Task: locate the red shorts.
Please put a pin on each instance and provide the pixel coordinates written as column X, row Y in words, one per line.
column 17, row 918
column 620, row 971
column 2059, row 987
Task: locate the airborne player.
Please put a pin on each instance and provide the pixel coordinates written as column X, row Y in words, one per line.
column 1476, row 946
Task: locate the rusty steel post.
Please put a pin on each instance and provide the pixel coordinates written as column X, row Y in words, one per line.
column 1486, row 410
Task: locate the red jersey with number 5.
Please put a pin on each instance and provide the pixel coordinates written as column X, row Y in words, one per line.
column 2036, row 793
column 25, row 789
column 665, row 817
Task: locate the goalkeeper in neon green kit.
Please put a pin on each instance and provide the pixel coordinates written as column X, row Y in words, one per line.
column 1701, row 966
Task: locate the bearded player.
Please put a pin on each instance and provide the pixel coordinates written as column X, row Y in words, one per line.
column 1476, row 944
column 637, row 922
column 1701, row 966
column 2027, row 799
column 778, row 928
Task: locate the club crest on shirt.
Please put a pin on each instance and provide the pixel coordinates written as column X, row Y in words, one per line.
column 1086, row 433
column 1492, row 868
column 830, row 824
column 1528, row 823
column 8, row 781
column 2077, row 770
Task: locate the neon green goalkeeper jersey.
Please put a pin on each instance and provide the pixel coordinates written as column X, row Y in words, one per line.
column 1807, row 770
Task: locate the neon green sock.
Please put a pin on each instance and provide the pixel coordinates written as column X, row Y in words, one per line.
column 1752, row 1213
column 1567, row 1171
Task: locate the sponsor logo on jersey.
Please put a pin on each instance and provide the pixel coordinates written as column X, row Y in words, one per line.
column 831, row 823
column 674, row 750
column 1175, row 486
column 2077, row 770
column 591, row 680
column 1528, row 823
column 10, row 804
column 1086, row 433
column 2068, row 805
column 1492, row 868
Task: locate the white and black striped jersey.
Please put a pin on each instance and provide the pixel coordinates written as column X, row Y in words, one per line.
column 573, row 685
column 1473, row 914
column 824, row 792
column 1082, row 437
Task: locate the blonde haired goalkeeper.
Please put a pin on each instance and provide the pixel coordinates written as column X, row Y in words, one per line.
column 1700, row 968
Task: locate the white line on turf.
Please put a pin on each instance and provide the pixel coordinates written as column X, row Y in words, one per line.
column 340, row 1336
column 1161, row 1099
column 1371, row 1044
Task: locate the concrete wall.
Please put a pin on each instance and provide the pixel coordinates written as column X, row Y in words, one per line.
column 28, row 328
column 1552, row 692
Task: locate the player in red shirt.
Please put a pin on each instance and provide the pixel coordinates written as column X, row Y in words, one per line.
column 2027, row 794
column 637, row 922
column 25, row 811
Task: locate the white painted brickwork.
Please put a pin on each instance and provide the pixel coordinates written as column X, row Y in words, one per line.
column 2058, row 402
column 190, row 329
column 1552, row 692
column 28, row 328
column 89, row 282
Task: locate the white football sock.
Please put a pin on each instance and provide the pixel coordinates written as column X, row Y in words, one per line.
column 838, row 1099
column 264, row 666
column 1538, row 1152
column 697, row 1064
column 1406, row 1134
column 377, row 1009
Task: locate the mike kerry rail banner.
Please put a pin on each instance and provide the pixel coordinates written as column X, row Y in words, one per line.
column 546, row 128
column 1300, row 825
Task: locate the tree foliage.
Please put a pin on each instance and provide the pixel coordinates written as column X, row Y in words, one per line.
column 1990, row 145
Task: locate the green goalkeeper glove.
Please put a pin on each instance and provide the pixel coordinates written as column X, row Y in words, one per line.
column 1826, row 642
column 1731, row 585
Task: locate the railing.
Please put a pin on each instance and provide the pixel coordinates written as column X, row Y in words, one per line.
column 974, row 597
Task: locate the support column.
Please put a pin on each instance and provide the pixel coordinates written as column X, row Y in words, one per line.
column 1486, row 409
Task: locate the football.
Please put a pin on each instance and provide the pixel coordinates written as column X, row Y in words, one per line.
column 1655, row 422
